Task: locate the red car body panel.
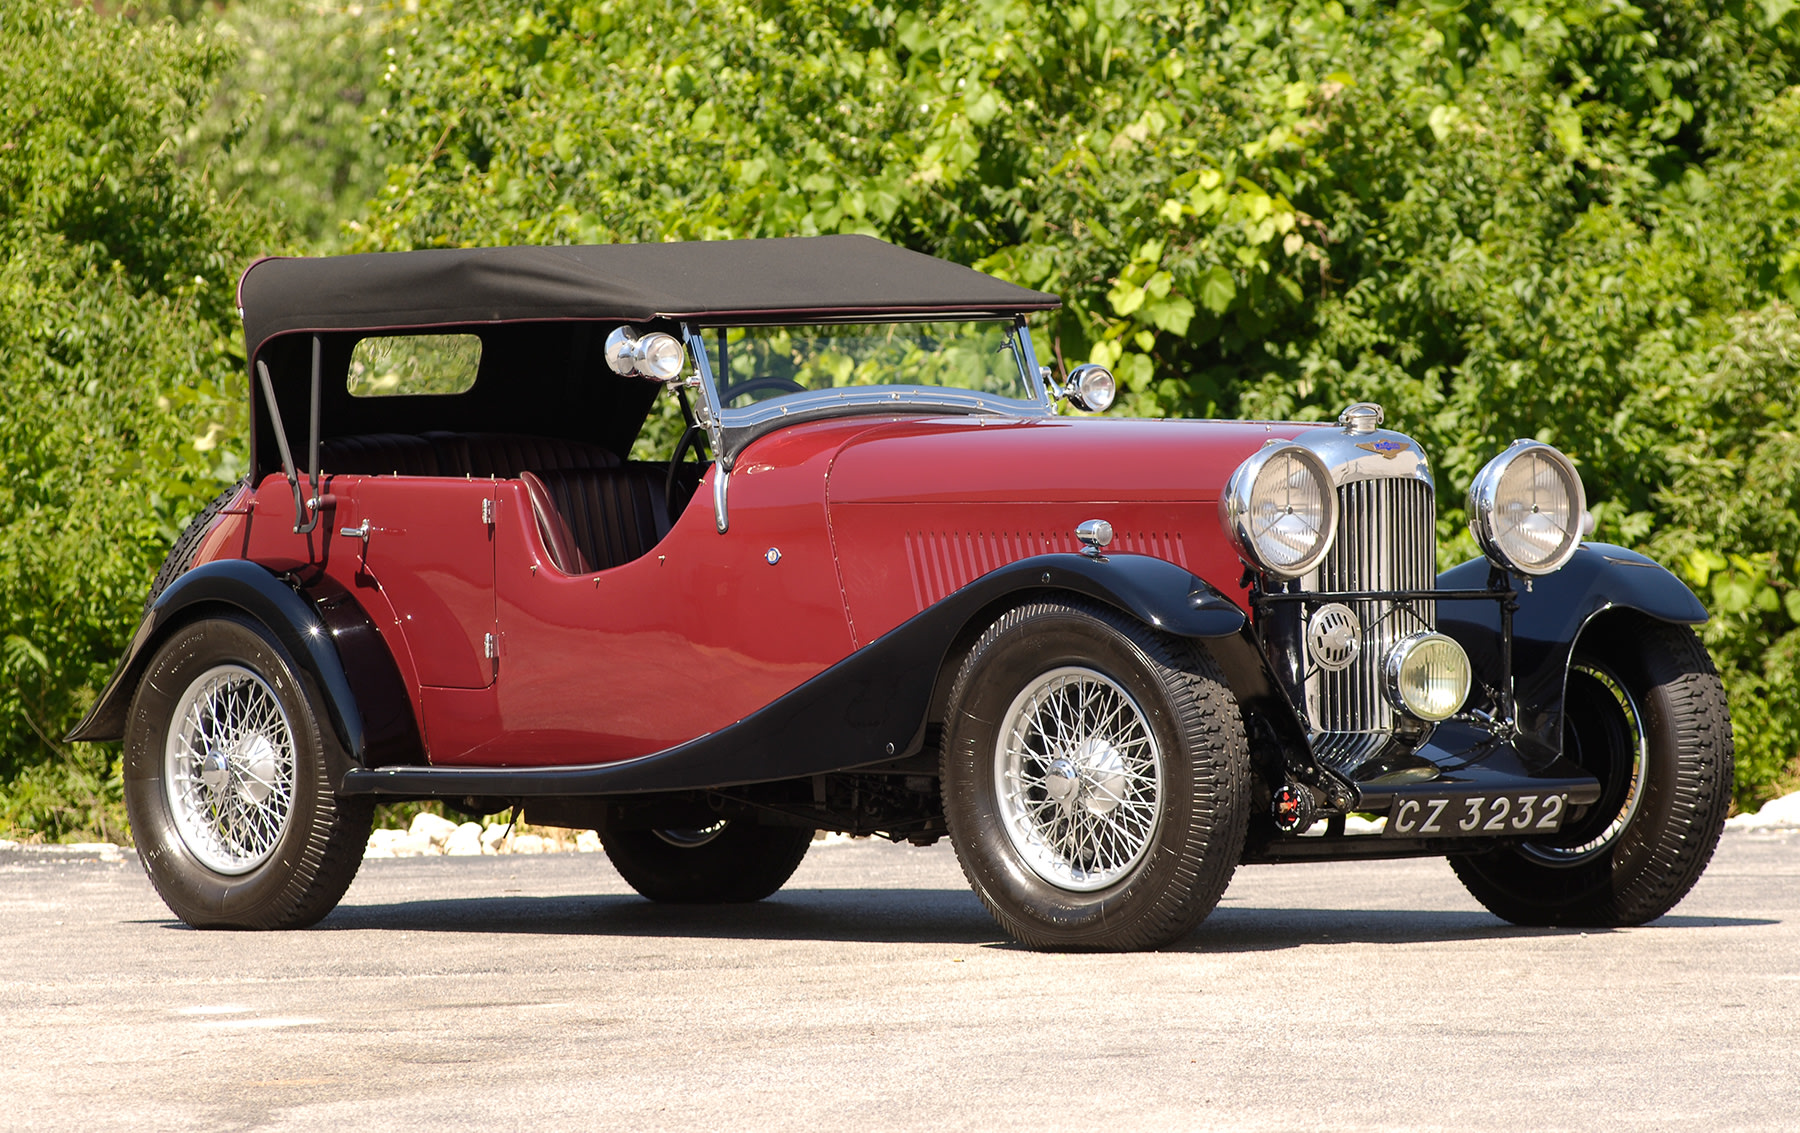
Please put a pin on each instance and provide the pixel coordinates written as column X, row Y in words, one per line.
column 428, row 556
column 688, row 639
column 921, row 508
column 873, row 520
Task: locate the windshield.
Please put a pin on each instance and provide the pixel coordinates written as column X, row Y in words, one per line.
column 755, row 365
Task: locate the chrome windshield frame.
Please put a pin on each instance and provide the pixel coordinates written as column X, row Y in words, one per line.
column 729, row 431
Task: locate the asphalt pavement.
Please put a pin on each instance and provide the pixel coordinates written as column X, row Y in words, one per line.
column 874, row 993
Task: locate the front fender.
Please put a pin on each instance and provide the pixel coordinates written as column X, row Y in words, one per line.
column 1550, row 617
column 311, row 638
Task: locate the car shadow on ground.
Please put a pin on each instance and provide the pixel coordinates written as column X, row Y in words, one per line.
column 1249, row 929
column 872, row 916
column 926, row 916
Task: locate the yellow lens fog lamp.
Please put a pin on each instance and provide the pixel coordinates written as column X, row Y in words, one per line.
column 1427, row 676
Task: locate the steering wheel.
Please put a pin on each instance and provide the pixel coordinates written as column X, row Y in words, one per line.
column 691, row 440
column 753, row 385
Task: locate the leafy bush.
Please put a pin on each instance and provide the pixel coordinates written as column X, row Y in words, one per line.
column 120, row 367
column 290, row 121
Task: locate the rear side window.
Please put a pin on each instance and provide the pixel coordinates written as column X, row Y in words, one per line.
column 409, row 365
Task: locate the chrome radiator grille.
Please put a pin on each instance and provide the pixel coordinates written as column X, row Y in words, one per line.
column 1386, row 540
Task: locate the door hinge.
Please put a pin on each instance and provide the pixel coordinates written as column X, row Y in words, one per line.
column 487, row 511
column 490, row 646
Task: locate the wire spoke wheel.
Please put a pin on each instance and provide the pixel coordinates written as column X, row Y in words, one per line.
column 230, row 770
column 1078, row 776
column 1095, row 778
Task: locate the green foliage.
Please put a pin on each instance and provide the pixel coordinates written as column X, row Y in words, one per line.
column 118, row 371
column 1569, row 219
column 290, row 120
column 1733, row 500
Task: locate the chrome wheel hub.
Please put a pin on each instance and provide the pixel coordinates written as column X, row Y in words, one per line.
column 229, row 769
column 1078, row 775
column 1104, row 779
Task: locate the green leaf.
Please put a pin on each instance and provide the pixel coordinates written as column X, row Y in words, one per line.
column 1172, row 314
column 1125, row 298
column 982, row 111
column 1732, row 593
column 1217, row 289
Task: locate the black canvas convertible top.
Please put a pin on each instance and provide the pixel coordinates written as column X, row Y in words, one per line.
column 799, row 278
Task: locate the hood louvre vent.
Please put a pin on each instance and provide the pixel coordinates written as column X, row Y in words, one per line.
column 943, row 562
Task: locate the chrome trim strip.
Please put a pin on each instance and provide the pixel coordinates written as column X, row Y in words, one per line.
column 709, row 398
column 909, row 399
column 721, row 482
column 1026, row 356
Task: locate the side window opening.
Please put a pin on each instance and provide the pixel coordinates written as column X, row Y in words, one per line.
column 412, row 365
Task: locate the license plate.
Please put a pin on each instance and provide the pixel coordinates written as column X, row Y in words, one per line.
column 1474, row 816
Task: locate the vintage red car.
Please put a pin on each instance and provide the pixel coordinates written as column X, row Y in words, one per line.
column 882, row 585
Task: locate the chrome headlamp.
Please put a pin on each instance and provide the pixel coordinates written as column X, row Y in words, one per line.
column 1527, row 508
column 1280, row 509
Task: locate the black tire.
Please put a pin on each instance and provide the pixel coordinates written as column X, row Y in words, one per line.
column 1039, row 664
column 286, row 877
column 728, row 863
column 181, row 556
column 1633, row 855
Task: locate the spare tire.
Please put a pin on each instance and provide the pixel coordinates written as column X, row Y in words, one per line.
column 181, row 556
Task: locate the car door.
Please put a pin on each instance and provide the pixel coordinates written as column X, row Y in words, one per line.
column 427, row 543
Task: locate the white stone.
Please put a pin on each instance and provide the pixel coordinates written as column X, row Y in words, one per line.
column 435, row 828
column 464, row 841
column 1776, row 814
column 8, row 845
column 588, row 841
column 492, row 837
column 528, row 844
column 410, row 845
column 381, row 843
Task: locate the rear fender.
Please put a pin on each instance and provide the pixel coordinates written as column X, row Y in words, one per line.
column 326, row 635
column 1551, row 616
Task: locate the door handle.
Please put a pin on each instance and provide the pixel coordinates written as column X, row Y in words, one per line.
column 356, row 532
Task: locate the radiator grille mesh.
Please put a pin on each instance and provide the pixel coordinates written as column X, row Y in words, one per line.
column 1386, row 540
